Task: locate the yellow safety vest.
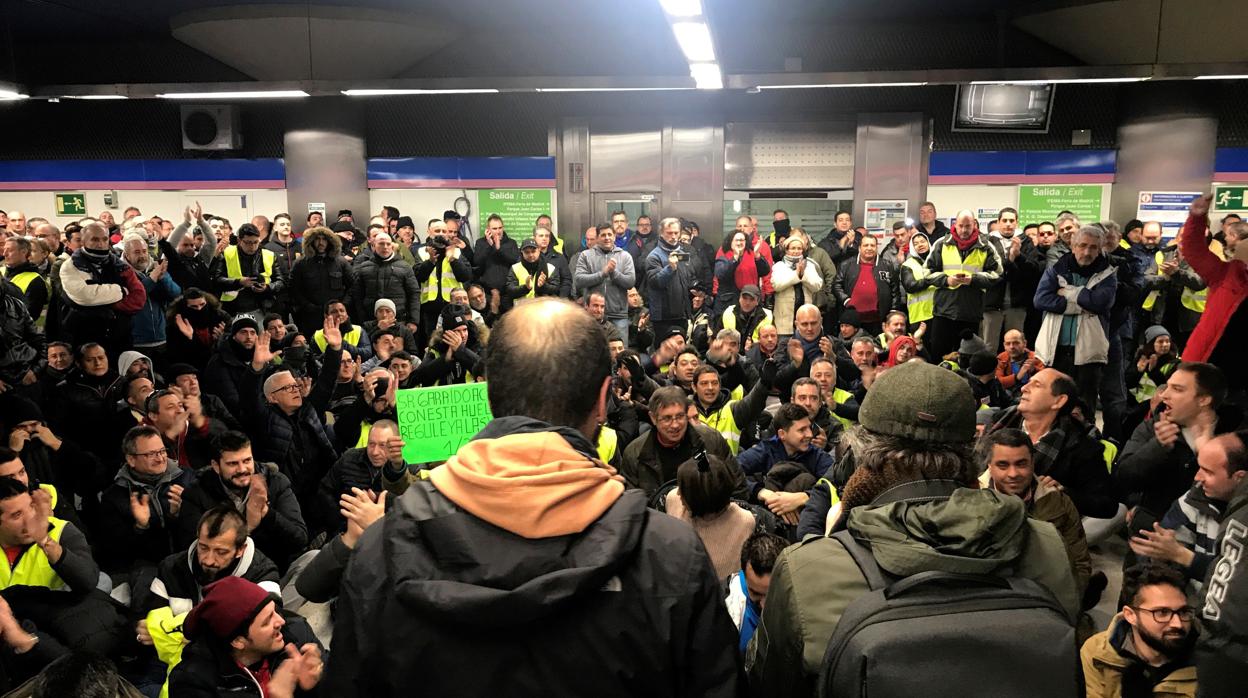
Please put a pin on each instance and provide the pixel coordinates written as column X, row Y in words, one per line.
column 33, row 568
column 952, row 261
column 1194, row 300
column 352, row 338
column 729, row 320
column 842, row 397
column 1151, row 299
column 522, row 277
column 429, row 290
column 608, row 441
column 920, row 306
column 722, row 421
column 557, row 244
column 234, row 270
column 23, row 281
column 166, row 630
column 1109, row 451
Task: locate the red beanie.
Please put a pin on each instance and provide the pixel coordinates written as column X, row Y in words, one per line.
column 228, row 607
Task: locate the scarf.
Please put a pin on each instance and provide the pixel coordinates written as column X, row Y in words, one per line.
column 964, row 245
column 793, row 260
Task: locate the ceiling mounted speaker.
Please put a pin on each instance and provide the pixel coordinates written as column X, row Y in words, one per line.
column 210, row 127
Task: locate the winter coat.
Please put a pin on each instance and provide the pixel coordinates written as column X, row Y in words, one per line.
column 590, row 278
column 1092, row 306
column 352, row 469
column 176, row 583
column 640, row 464
column 931, row 525
column 224, row 373
column 1019, row 276
column 22, row 347
column 887, row 286
column 731, row 275
column 385, row 278
column 1052, row 505
column 1108, row 654
column 785, row 281
column 282, row 534
column 632, row 577
column 317, row 279
column 248, row 300
column 760, row 458
column 148, row 327
column 287, row 254
column 668, row 289
column 1228, row 287
column 966, row 302
column 120, row 544
column 490, row 265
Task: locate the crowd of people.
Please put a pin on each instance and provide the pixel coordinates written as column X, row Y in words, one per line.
column 711, row 469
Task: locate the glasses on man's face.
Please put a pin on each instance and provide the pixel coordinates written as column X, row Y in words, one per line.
column 292, row 388
column 158, row 453
column 1163, row 615
column 672, row 419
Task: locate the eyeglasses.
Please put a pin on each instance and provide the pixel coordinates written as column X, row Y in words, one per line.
column 160, row 452
column 672, row 419
column 1163, row 615
column 292, row 388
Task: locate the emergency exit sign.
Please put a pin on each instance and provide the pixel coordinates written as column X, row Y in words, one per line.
column 71, row 204
column 1230, row 198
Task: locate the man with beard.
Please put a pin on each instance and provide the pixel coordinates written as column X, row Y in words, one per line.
column 225, row 370
column 258, row 492
column 190, row 264
column 247, row 276
column 319, row 276
column 101, row 293
column 221, row 549
column 1147, row 650
column 195, row 325
column 480, row 304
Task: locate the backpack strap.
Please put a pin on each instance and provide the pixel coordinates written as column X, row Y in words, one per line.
column 864, row 559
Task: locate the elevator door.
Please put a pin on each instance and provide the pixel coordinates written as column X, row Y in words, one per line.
column 633, row 203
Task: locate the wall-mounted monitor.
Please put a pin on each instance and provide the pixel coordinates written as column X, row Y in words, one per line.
column 1004, row 108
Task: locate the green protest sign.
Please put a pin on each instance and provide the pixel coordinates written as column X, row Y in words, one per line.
column 518, row 207
column 435, row 422
column 1042, row 202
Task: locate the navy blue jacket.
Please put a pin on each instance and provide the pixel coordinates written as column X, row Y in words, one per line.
column 759, row 459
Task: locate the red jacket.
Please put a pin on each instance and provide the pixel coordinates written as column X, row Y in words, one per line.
column 765, row 250
column 1228, row 285
column 1005, row 369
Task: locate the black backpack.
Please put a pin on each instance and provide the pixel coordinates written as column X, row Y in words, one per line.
column 940, row 634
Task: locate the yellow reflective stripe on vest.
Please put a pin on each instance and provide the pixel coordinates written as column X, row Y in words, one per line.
column 729, row 321
column 722, row 421
column 24, row 279
column 33, row 568
column 234, row 270
column 365, row 427
column 608, row 441
column 522, row 277
column 429, row 291
column 1194, row 300
column 352, row 338
column 920, row 306
column 952, row 261
column 1151, row 299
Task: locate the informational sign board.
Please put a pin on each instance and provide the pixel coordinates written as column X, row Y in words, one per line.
column 71, row 204
column 882, row 213
column 1042, row 202
column 1230, row 198
column 1166, row 207
column 518, row 207
column 316, row 207
column 435, row 422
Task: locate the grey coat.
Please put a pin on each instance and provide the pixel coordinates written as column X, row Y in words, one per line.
column 614, row 286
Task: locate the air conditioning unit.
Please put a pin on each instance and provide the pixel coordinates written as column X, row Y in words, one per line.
column 210, row 127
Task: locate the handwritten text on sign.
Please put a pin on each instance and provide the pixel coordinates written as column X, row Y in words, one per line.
column 435, row 422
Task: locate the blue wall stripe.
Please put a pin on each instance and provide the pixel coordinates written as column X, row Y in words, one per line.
column 141, row 170
column 461, row 168
column 1023, row 162
column 1231, row 160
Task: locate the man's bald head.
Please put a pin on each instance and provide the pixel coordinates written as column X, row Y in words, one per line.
column 557, row 343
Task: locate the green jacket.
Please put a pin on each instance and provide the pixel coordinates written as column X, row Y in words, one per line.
column 812, row 583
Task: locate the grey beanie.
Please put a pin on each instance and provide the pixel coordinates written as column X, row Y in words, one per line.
column 1152, row 333
column 972, row 344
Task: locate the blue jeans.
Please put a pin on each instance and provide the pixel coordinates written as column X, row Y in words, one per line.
column 621, row 326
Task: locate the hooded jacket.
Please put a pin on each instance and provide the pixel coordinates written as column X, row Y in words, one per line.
column 316, row 279
column 523, row 540
column 911, row 528
column 177, row 582
column 1107, row 655
column 125, row 545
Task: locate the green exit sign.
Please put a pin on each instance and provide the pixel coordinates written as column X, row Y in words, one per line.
column 1230, row 198
column 71, row 204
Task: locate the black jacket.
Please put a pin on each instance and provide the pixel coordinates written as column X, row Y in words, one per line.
column 317, row 279
column 352, row 469
column 1022, row 275
column 1222, row 649
column 119, row 545
column 223, row 376
column 887, row 285
column 176, row 581
column 386, row 278
column 630, row 606
column 287, row 253
column 281, row 535
column 208, row 670
column 1079, row 466
column 491, row 265
column 22, row 347
column 642, row 467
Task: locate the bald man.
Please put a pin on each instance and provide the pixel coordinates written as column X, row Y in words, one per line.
column 961, row 266
column 531, row 483
column 17, row 223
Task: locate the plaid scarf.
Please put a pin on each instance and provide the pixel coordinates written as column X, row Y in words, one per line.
column 1048, row 448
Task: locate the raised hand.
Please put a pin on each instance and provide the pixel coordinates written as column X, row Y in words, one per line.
column 175, row 500
column 261, row 355
column 796, row 353
column 140, row 509
column 331, row 332
column 1200, row 205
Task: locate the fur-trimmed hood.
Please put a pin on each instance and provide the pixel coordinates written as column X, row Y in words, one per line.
column 311, row 234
